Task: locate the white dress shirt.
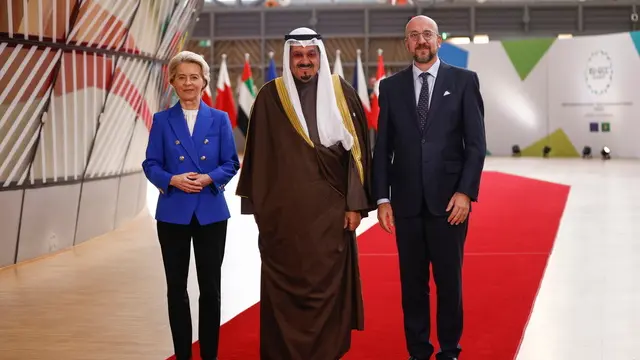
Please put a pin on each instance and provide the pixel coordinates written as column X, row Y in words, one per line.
column 190, row 116
column 417, row 86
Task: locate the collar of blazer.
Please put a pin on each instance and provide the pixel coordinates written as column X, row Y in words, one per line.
column 178, row 124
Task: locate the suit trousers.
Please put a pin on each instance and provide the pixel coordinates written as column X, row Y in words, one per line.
column 208, row 247
column 422, row 241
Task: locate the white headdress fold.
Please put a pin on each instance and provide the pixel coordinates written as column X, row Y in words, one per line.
column 331, row 129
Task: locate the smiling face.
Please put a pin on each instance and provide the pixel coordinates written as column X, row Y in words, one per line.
column 422, row 39
column 304, row 62
column 188, row 81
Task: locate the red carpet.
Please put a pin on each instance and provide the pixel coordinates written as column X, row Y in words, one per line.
column 512, row 231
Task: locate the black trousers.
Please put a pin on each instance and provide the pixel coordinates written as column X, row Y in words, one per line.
column 208, row 247
column 422, row 241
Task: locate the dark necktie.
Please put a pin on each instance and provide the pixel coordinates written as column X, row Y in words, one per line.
column 423, row 101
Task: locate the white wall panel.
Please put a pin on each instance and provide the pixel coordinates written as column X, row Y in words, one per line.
column 593, row 81
column 48, row 220
column 136, row 152
column 128, row 199
column 10, row 204
column 143, row 192
column 97, row 208
column 566, row 94
column 516, row 116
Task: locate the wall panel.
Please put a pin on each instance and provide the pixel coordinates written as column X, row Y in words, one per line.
column 237, row 24
column 97, row 211
column 340, row 22
column 142, row 193
column 508, row 20
column 393, row 50
column 48, row 220
column 9, row 223
column 237, row 49
column 387, row 22
column 452, row 20
column 348, row 49
column 603, row 18
column 279, row 24
column 556, row 18
column 128, row 199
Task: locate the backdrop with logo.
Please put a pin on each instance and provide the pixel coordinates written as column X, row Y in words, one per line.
column 565, row 94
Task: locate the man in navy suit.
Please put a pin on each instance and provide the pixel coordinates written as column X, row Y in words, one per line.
column 427, row 164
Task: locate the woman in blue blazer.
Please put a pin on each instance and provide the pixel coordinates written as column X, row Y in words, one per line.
column 190, row 157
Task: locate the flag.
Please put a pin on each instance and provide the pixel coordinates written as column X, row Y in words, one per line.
column 337, row 65
column 246, row 96
column 224, row 94
column 271, row 70
column 375, row 108
column 206, row 97
column 360, row 85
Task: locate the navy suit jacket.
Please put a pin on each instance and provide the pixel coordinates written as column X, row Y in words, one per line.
column 172, row 150
column 411, row 167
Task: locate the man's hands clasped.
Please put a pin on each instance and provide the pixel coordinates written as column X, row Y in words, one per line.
column 190, row 182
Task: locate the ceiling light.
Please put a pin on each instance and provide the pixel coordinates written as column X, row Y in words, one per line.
column 481, row 39
column 459, row 40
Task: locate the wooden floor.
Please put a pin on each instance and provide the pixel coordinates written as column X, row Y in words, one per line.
column 105, row 299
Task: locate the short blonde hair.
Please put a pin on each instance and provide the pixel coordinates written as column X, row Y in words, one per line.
column 191, row 57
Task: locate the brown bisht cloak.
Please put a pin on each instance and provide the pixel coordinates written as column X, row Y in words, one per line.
column 298, row 191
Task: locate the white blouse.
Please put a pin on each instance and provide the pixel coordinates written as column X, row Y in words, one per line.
column 190, row 116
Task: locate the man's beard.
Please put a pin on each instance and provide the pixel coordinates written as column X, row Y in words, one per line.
column 306, row 75
column 423, row 59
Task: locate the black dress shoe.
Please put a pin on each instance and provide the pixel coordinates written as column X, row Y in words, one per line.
column 415, row 358
column 441, row 356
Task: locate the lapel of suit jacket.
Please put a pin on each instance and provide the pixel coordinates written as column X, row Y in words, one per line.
column 409, row 95
column 179, row 126
column 203, row 123
column 442, row 82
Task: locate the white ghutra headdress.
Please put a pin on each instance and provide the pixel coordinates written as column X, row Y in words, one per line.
column 331, row 129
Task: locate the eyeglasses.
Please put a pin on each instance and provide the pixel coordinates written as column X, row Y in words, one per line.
column 427, row 35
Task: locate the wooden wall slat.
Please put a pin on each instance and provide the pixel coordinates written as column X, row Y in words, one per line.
column 393, row 50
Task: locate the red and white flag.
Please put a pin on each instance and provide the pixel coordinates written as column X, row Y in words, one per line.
column 337, row 65
column 375, row 107
column 206, row 97
column 360, row 84
column 224, row 94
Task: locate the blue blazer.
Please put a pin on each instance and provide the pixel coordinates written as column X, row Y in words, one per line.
column 172, row 150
